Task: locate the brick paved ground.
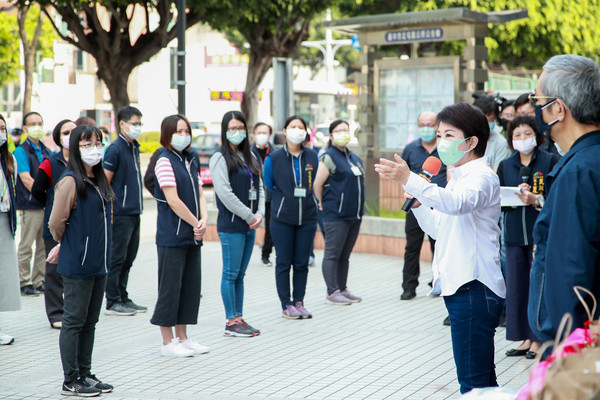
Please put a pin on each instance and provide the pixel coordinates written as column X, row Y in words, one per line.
column 380, row 348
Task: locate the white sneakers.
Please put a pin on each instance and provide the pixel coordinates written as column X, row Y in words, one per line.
column 191, row 344
column 187, row 348
column 6, row 339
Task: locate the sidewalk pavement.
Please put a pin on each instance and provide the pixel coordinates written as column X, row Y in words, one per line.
column 377, row 349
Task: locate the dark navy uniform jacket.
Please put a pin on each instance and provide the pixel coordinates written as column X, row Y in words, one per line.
column 123, row 159
column 519, row 221
column 567, row 239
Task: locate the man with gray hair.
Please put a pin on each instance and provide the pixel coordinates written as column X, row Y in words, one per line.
column 567, row 232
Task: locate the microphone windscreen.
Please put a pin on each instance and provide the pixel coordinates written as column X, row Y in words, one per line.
column 525, row 172
column 432, row 165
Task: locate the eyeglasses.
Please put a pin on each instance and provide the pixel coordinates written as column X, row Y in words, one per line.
column 533, row 100
column 89, row 146
column 426, row 125
column 236, row 129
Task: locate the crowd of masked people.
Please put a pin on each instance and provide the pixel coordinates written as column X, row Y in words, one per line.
column 82, row 202
column 79, row 202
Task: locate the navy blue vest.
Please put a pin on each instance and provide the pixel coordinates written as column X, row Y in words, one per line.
column 519, row 221
column 240, row 185
column 172, row 231
column 25, row 200
column 10, row 180
column 127, row 179
column 85, row 247
column 58, row 164
column 286, row 207
column 344, row 192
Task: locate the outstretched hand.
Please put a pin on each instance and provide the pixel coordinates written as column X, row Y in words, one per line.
column 395, row 171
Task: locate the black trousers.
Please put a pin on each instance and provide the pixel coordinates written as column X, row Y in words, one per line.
column 53, row 296
column 125, row 243
column 179, row 283
column 83, row 301
column 268, row 245
column 412, row 252
column 341, row 237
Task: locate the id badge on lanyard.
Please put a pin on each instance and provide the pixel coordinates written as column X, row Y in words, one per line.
column 252, row 194
column 299, row 192
column 356, row 171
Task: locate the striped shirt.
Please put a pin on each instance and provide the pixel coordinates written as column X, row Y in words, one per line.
column 165, row 175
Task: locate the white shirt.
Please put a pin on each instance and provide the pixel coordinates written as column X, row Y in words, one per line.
column 463, row 218
column 497, row 148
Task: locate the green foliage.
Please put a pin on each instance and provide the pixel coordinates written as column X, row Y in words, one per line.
column 9, row 48
column 149, row 142
column 373, row 209
column 553, row 27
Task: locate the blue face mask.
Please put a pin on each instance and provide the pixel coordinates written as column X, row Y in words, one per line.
column 539, row 120
column 236, row 137
column 427, row 134
column 560, row 151
column 492, row 126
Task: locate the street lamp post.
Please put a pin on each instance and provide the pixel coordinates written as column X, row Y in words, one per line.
column 328, row 47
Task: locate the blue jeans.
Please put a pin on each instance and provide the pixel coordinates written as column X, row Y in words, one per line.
column 292, row 246
column 474, row 316
column 236, row 249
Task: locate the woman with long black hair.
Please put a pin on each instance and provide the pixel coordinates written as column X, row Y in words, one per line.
column 81, row 223
column 10, row 298
column 241, row 203
column 48, row 174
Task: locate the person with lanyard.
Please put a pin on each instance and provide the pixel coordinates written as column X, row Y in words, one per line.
column 122, row 168
column 340, row 190
column 81, row 223
column 29, row 156
column 290, row 174
column 50, row 171
column 10, row 299
column 261, row 148
column 181, row 224
column 240, row 199
column 525, row 139
column 415, row 153
column 463, row 218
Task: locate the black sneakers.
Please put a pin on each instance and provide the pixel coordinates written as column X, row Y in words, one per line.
column 29, row 290
column 94, row 382
column 79, row 388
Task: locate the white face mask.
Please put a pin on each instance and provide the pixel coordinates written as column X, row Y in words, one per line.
column 295, row 135
column 64, row 140
column 3, row 138
column 261, row 139
column 525, row 146
column 134, row 131
column 180, row 142
column 91, row 156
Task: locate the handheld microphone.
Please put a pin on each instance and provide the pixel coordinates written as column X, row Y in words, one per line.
column 525, row 174
column 431, row 167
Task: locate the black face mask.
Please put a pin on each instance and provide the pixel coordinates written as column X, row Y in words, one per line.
column 542, row 126
column 503, row 123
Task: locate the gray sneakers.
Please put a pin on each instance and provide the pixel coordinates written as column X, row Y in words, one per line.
column 337, row 299
column 291, row 313
column 303, row 311
column 119, row 309
column 355, row 299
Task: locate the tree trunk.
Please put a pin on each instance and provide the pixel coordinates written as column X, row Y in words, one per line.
column 258, row 65
column 116, row 81
column 29, row 49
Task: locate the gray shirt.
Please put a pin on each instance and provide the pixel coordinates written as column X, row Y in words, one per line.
column 218, row 169
column 497, row 149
